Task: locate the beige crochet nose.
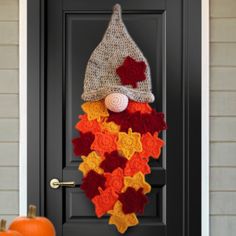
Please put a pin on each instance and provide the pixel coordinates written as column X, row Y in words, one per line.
column 116, row 102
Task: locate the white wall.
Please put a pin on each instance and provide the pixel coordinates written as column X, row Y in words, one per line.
column 223, row 118
column 9, row 117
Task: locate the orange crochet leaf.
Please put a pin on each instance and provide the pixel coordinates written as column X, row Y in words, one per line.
column 91, row 162
column 84, row 125
column 129, row 143
column 115, row 180
column 104, row 142
column 135, row 164
column 151, row 145
column 95, row 110
column 120, row 220
column 105, row 201
column 138, row 107
column 136, row 182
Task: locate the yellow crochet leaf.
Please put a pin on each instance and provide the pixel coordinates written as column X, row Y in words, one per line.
column 136, row 182
column 95, row 110
column 110, row 127
column 120, row 220
column 91, row 162
column 129, row 143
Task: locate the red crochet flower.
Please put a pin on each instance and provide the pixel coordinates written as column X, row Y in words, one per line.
column 138, row 123
column 105, row 201
column 131, row 71
column 135, row 164
column 141, row 123
column 154, row 122
column 127, row 120
column 123, row 119
column 112, row 161
column 133, row 201
column 91, row 183
column 83, row 143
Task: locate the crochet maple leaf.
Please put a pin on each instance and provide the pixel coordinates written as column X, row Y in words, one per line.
column 131, row 71
column 133, row 201
column 92, row 182
column 82, row 144
column 112, row 161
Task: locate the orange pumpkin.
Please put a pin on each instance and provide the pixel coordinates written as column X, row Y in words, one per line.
column 4, row 232
column 32, row 225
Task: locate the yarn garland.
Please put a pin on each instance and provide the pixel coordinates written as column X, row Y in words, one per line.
column 115, row 150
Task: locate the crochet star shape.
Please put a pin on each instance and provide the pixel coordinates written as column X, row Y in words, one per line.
column 131, row 72
column 112, row 161
column 91, row 162
column 115, row 180
column 151, row 145
column 91, row 183
column 120, row 220
column 134, row 106
column 136, row 182
column 104, row 142
column 139, row 122
column 84, row 125
column 129, row 143
column 110, row 127
column 82, row 144
column 95, row 110
column 105, row 201
column 135, row 164
column 154, row 122
column 133, row 201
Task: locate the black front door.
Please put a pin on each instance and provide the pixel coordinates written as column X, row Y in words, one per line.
column 62, row 35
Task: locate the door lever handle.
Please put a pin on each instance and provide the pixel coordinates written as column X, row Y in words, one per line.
column 55, row 183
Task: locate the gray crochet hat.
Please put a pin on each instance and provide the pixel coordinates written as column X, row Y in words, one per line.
column 117, row 49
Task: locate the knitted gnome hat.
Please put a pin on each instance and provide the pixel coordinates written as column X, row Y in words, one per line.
column 117, row 66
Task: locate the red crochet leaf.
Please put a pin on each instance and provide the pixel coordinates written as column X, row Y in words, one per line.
column 82, row 145
column 141, row 123
column 131, row 71
column 133, row 201
column 120, row 118
column 91, row 183
column 154, row 122
column 112, row 161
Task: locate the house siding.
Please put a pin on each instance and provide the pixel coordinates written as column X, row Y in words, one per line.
column 9, row 109
column 222, row 114
column 223, row 117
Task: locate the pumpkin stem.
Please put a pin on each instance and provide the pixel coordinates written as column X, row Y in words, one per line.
column 32, row 211
column 3, row 224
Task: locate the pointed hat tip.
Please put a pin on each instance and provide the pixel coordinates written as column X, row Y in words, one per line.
column 117, row 8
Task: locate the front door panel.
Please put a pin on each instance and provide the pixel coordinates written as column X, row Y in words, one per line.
column 73, row 28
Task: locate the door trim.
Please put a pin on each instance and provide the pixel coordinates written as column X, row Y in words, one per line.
column 205, row 118
column 23, row 113
column 23, row 107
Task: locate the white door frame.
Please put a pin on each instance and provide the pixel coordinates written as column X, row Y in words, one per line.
column 205, row 112
column 23, row 107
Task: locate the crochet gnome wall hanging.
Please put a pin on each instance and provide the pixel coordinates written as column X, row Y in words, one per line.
column 118, row 134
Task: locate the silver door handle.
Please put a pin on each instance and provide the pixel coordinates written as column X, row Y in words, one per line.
column 55, row 183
